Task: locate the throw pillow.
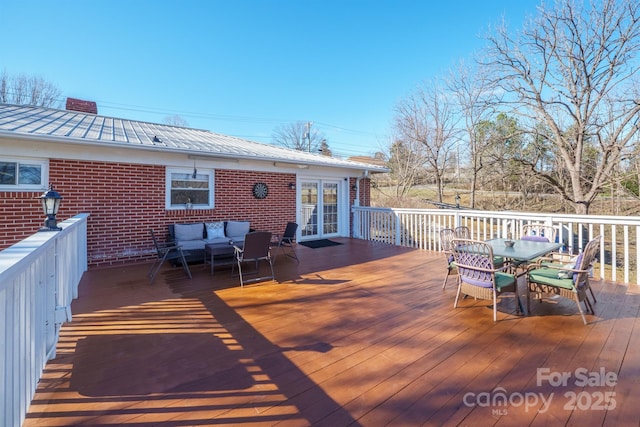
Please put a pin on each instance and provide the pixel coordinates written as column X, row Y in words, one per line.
column 188, row 231
column 565, row 274
column 574, row 264
column 215, row 229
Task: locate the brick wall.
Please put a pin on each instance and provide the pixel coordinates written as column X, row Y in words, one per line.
column 21, row 215
column 126, row 200
column 365, row 191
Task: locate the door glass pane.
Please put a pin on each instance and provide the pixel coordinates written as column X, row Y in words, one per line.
column 309, row 203
column 330, row 208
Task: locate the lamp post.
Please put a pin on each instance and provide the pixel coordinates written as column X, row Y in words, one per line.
column 50, row 204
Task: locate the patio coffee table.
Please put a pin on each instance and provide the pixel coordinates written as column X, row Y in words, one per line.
column 219, row 254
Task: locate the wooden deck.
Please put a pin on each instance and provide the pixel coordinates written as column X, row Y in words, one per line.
column 356, row 334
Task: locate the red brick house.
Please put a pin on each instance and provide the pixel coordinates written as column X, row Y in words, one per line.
column 133, row 176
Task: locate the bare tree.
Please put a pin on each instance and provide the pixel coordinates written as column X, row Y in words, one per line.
column 175, row 120
column 474, row 94
column 406, row 160
column 300, row 136
column 572, row 72
column 426, row 117
column 23, row 89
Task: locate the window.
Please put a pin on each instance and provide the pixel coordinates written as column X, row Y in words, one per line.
column 183, row 187
column 22, row 174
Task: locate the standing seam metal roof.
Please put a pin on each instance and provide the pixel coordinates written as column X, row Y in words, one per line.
column 79, row 127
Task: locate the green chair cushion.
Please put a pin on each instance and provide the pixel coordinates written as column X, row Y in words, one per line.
column 549, row 276
column 504, row 280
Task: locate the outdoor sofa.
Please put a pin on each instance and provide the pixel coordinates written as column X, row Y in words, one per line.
column 193, row 237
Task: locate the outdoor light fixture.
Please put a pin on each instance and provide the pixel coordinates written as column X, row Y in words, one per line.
column 292, row 186
column 354, row 187
column 290, row 165
column 50, row 204
column 457, row 201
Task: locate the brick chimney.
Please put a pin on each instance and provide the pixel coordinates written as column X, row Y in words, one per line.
column 74, row 104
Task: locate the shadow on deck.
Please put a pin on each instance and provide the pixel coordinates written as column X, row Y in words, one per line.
column 356, row 334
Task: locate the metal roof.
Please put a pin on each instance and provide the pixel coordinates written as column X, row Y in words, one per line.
column 47, row 124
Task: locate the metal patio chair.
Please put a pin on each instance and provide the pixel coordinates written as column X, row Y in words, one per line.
column 166, row 252
column 286, row 240
column 257, row 247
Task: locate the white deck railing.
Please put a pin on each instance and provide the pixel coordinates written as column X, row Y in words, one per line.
column 39, row 278
column 419, row 228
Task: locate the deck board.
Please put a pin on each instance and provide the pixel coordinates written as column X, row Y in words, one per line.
column 356, row 334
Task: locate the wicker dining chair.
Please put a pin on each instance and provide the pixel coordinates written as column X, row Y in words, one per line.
column 568, row 281
column 477, row 276
column 539, row 232
column 446, row 243
column 462, row 232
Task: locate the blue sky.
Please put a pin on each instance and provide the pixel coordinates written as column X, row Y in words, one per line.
column 242, row 67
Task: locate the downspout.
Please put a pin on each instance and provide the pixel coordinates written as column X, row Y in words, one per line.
column 355, row 225
column 356, row 201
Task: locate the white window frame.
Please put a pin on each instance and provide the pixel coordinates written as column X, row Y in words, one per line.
column 44, row 174
column 210, row 176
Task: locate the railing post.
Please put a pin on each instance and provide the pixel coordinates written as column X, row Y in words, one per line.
column 457, row 218
column 398, row 229
column 355, row 226
column 50, row 287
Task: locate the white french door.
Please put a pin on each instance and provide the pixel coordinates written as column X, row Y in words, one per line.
column 320, row 213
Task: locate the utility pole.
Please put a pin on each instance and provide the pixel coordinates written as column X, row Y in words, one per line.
column 307, row 134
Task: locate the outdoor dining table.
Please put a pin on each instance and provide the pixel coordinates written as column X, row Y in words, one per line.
column 522, row 251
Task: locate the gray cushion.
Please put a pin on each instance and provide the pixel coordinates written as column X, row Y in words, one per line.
column 190, row 245
column 215, row 240
column 236, row 230
column 189, row 231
